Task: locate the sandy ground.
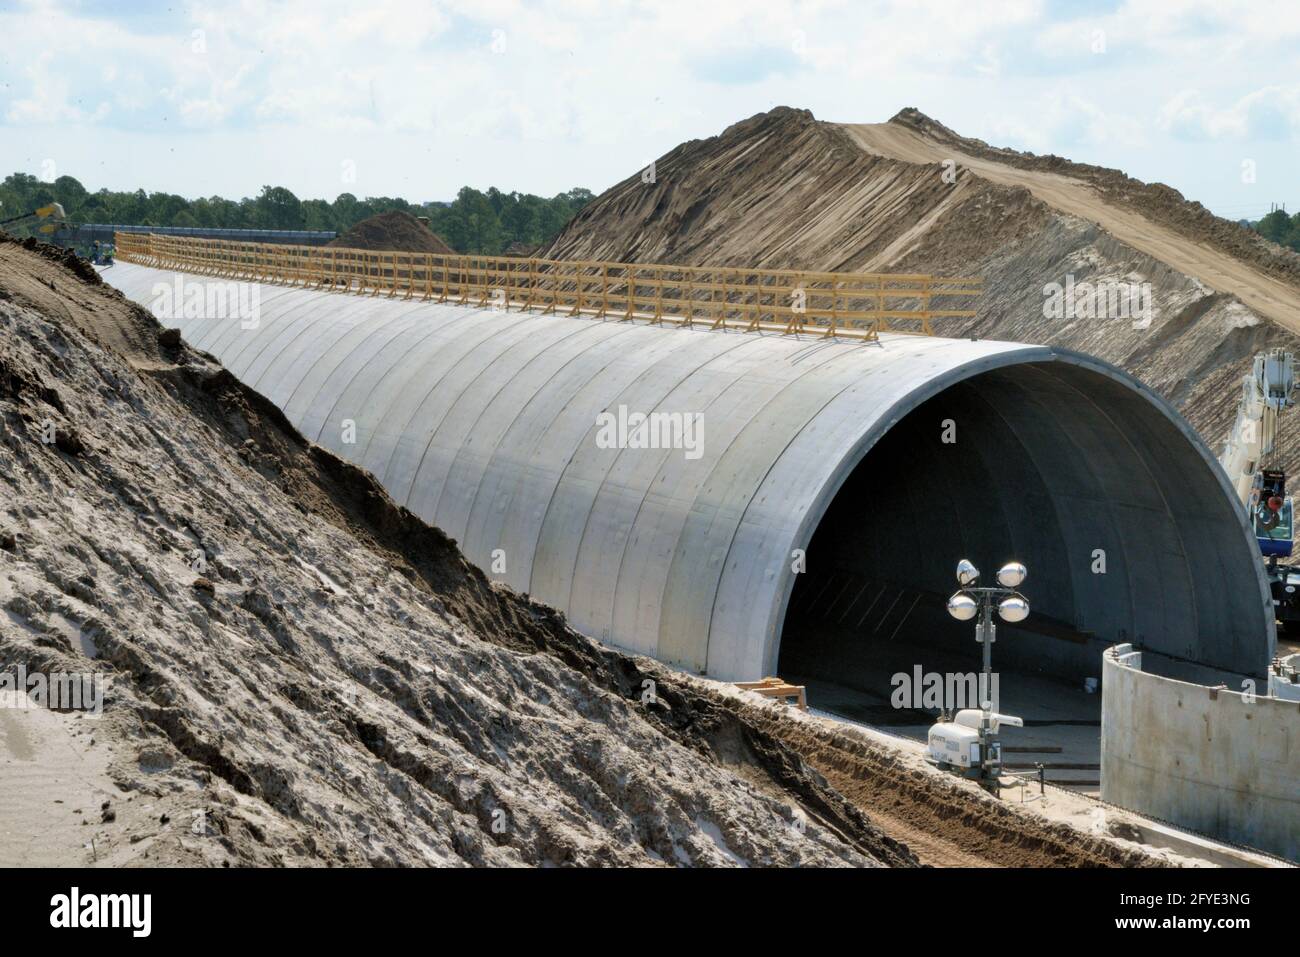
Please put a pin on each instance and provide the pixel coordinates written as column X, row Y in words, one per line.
column 1021, row 827
column 1062, row 723
column 45, row 753
column 1278, row 301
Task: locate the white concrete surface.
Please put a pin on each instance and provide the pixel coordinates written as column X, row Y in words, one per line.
column 485, row 424
column 1214, row 760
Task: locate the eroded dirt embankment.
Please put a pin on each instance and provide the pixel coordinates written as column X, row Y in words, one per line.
column 305, row 673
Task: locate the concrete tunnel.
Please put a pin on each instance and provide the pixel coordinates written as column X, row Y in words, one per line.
column 485, row 424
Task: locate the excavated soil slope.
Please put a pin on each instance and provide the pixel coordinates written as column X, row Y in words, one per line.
column 1157, row 204
column 393, row 231
column 784, row 190
column 301, row 672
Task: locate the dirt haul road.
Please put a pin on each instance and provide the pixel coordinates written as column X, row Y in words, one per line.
column 337, row 685
column 1274, row 299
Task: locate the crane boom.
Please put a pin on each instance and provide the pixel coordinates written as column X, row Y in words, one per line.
column 45, row 212
column 1251, row 459
column 1266, row 392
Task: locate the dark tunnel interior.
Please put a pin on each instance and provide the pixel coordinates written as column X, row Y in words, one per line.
column 1125, row 529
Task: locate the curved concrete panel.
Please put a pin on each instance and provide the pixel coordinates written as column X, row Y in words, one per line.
column 1219, row 760
column 486, row 424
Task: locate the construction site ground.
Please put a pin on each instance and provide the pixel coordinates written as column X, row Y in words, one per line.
column 1062, row 723
column 343, row 688
column 887, row 773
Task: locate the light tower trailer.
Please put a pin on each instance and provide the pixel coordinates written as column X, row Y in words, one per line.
column 968, row 744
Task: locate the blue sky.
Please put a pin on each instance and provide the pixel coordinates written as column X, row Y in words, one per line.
column 418, row 97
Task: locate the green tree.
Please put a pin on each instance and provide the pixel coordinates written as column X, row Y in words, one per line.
column 1275, row 226
column 1280, row 228
column 317, row 215
column 277, row 208
column 483, row 222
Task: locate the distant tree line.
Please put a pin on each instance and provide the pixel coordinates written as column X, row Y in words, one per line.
column 475, row 222
column 1281, row 228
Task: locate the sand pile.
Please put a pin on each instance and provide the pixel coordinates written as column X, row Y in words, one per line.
column 394, row 230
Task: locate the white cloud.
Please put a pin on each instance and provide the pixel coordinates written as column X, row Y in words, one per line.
column 1063, row 122
column 586, row 92
column 1270, row 113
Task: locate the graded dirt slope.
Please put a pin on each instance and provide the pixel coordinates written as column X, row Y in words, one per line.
column 778, row 190
column 1159, row 204
column 303, row 673
column 784, row 190
column 1184, row 243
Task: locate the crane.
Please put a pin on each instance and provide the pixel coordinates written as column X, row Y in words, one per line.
column 1251, row 460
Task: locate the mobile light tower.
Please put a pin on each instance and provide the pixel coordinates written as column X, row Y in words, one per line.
column 968, row 743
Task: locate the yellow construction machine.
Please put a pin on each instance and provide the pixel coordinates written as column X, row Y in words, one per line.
column 52, row 212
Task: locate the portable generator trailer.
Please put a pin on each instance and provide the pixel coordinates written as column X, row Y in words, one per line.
column 968, row 745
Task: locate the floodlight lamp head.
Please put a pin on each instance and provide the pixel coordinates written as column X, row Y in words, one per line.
column 1012, row 575
column 1013, row 609
column 967, row 574
column 962, row 606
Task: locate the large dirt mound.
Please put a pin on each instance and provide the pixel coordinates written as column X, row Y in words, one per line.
column 782, row 189
column 393, row 231
column 778, row 190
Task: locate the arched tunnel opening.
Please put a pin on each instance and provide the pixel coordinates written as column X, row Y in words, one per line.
column 1127, row 532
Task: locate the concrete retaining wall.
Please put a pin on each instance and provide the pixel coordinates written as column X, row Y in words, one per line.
column 1212, row 760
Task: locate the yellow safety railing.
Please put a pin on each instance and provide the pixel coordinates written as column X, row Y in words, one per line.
column 851, row 305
